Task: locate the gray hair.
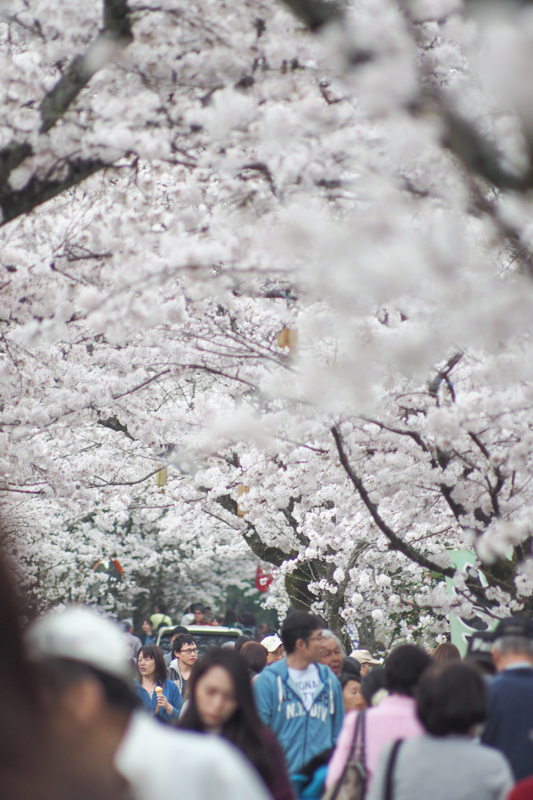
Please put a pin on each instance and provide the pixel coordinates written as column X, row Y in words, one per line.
column 327, row 634
column 514, row 645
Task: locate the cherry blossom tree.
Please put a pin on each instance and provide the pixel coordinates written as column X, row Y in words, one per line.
column 283, row 252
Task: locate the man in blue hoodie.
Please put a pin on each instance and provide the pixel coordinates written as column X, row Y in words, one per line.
column 509, row 725
column 298, row 698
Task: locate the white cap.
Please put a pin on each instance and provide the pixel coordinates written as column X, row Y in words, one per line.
column 272, row 643
column 81, row 635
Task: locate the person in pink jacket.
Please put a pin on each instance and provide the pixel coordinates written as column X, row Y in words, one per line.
column 394, row 718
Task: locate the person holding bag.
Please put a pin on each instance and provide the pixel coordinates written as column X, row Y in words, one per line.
column 394, row 718
column 446, row 762
column 352, row 783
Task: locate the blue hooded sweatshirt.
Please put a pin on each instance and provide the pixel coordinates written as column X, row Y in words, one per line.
column 171, row 692
column 302, row 734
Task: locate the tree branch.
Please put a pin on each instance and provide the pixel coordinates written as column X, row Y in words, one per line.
column 443, row 375
column 395, row 542
column 114, row 424
column 495, row 490
column 39, row 190
column 401, row 432
column 315, row 13
column 478, row 154
column 115, row 36
column 123, row 483
column 142, row 385
column 12, row 157
column 274, row 555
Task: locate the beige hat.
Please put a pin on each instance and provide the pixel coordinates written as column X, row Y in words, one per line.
column 364, row 657
column 272, row 643
column 82, row 635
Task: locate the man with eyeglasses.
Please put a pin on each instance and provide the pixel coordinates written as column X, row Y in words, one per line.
column 185, row 653
column 299, row 698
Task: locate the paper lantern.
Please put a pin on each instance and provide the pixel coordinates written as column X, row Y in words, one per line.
column 288, row 337
column 240, row 491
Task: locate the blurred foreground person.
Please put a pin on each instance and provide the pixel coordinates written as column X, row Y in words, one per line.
column 522, row 791
column 510, row 722
column 157, row 694
column 221, row 701
column 32, row 764
column 446, row 652
column 394, row 718
column 446, row 763
column 82, row 659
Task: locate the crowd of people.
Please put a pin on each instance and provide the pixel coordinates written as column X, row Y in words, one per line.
column 288, row 716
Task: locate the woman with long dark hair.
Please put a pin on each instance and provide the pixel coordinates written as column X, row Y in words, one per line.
column 159, row 695
column 221, row 701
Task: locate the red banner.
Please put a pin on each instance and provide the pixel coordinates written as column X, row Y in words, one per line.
column 262, row 579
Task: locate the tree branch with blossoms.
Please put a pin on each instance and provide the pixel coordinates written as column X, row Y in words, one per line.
column 395, row 541
column 114, row 37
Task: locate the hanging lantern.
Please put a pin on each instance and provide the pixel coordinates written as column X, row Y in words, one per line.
column 240, row 491
column 288, row 337
column 161, row 477
column 262, row 579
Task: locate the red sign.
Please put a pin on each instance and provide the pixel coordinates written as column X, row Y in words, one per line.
column 262, row 579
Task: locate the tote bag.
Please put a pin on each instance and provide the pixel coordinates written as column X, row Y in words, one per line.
column 352, row 783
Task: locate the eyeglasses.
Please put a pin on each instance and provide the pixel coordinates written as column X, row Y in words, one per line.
column 318, row 638
column 188, row 651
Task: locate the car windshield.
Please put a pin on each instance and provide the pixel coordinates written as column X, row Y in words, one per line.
column 203, row 640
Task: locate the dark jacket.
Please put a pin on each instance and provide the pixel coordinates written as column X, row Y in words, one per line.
column 510, row 724
column 171, row 692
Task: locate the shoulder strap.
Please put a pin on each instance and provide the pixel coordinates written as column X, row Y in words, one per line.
column 390, row 770
column 362, row 757
column 359, row 726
